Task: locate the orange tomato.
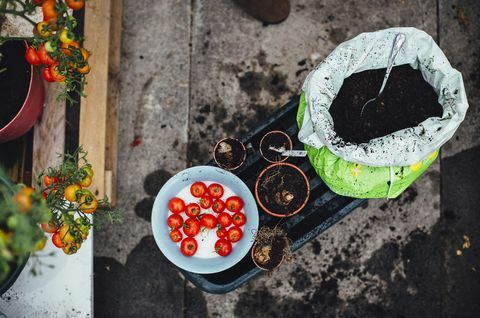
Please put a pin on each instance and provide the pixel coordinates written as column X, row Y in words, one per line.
column 71, row 192
column 49, row 10
column 85, row 54
column 84, row 70
column 75, row 4
column 43, row 29
column 86, row 182
column 23, row 199
column 88, row 203
column 66, row 48
column 71, row 248
column 56, row 74
column 50, row 227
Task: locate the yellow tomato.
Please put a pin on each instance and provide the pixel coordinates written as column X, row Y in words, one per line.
column 71, row 192
column 66, row 36
column 65, row 234
column 43, row 29
column 40, row 244
column 86, row 182
column 23, row 199
column 71, row 248
column 88, row 203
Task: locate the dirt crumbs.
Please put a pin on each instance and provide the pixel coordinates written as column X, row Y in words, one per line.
column 278, row 140
column 229, row 153
column 14, row 79
column 282, row 189
column 406, row 101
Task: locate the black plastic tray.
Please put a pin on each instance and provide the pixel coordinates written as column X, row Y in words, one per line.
column 323, row 209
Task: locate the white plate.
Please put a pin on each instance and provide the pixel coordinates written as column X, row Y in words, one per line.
column 200, row 262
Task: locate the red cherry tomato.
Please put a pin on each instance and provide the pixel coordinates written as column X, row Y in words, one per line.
column 206, row 202
column 192, row 210
column 224, row 219
column 239, row 219
column 57, row 240
column 176, row 205
column 32, row 57
column 191, row 227
column 189, row 246
column 47, row 181
column 175, row 221
column 198, row 189
column 75, row 4
column 234, row 204
column 221, row 233
column 223, row 247
column 218, row 206
column 176, row 235
column 215, row 190
column 208, row 221
column 234, row 234
column 47, row 75
column 44, row 56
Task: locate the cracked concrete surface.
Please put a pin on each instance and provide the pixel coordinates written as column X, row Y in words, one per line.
column 196, row 71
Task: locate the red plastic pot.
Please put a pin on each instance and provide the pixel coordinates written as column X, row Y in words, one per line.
column 30, row 110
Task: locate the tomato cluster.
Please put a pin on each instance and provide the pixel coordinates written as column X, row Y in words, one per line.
column 56, row 47
column 227, row 220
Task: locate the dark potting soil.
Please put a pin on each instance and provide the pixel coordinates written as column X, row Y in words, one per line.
column 276, row 187
column 230, row 159
column 406, row 101
column 14, row 80
column 276, row 253
column 277, row 140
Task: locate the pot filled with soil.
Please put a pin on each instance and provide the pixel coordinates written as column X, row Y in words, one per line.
column 380, row 152
column 282, row 189
column 272, row 141
column 271, row 248
column 21, row 89
column 229, row 153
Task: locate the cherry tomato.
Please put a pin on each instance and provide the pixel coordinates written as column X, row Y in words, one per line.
column 191, row 227
column 50, row 227
column 85, row 54
column 66, row 235
column 239, row 219
column 40, row 244
column 88, row 203
column 84, row 69
column 176, row 235
column 43, row 29
column 221, row 233
column 47, row 75
column 47, row 180
column 56, row 74
column 49, row 11
column 23, row 199
column 175, row 221
column 32, row 57
column 71, row 192
column 218, row 206
column 234, row 234
column 75, row 4
column 208, row 221
column 215, row 190
column 224, row 219
column 234, row 204
column 189, row 246
column 71, row 248
column 57, row 240
column 88, row 170
column 67, row 48
column 198, row 189
column 192, row 210
column 223, row 247
column 44, row 56
column 86, row 181
column 176, row 205
column 206, row 202
column 66, row 36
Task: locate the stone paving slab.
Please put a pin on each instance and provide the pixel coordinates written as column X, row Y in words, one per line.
column 385, row 259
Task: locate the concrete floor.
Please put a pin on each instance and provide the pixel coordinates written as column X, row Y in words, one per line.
column 196, row 71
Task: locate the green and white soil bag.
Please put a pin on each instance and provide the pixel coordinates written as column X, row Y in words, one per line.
column 385, row 166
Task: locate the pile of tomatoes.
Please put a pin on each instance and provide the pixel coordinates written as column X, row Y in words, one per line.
column 227, row 219
column 71, row 204
column 55, row 46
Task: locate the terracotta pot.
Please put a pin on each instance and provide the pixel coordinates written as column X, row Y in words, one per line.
column 243, row 158
column 273, row 212
column 260, row 266
column 290, row 145
column 29, row 111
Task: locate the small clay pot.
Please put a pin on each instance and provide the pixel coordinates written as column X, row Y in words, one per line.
column 229, row 153
column 277, row 139
column 286, row 196
column 258, row 263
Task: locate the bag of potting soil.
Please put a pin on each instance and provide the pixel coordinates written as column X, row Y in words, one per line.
column 387, row 165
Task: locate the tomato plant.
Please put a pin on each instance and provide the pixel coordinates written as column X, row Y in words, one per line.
column 189, row 246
